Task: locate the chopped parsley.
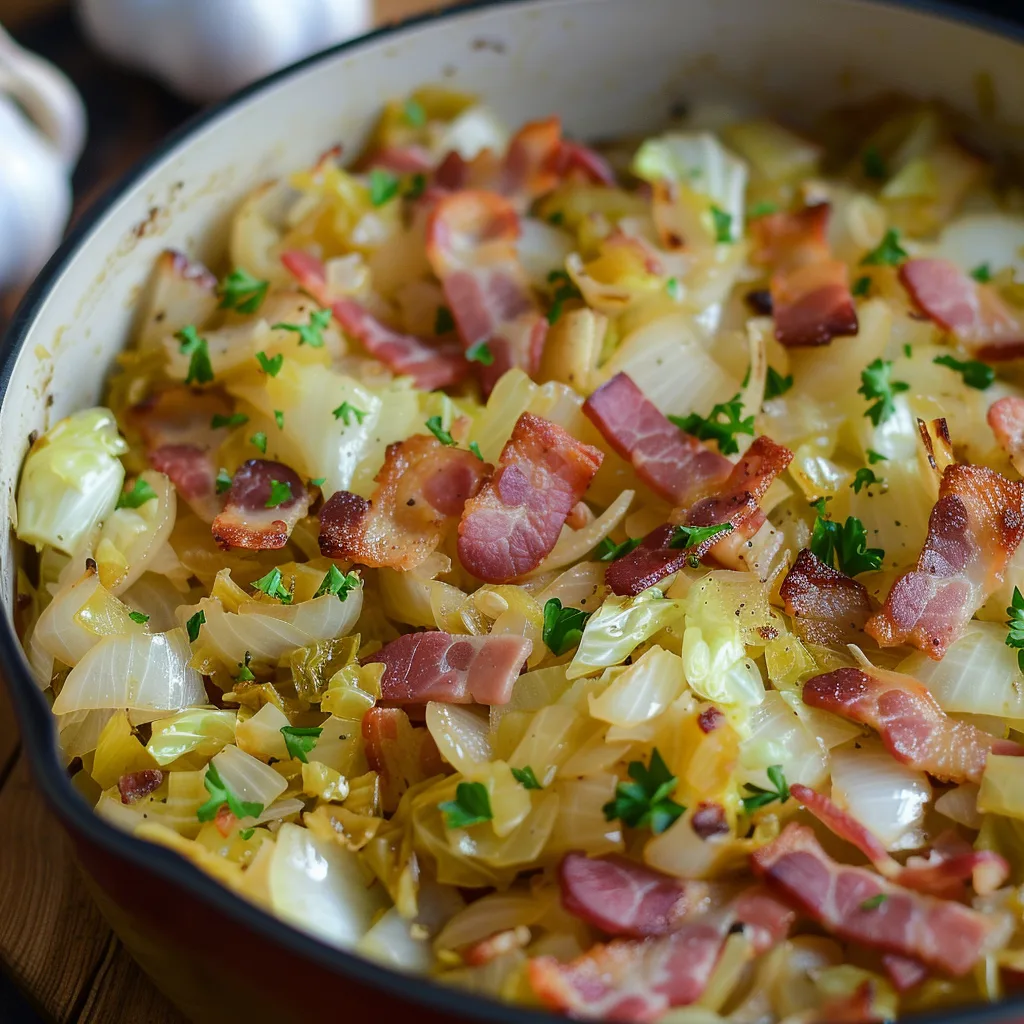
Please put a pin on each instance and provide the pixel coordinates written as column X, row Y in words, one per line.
column 200, row 369
column 471, row 806
column 864, row 477
column 383, row 186
column 279, row 419
column 686, row 537
column 241, row 291
column 311, row 334
column 775, row 384
column 875, row 457
column 975, row 374
column 417, row 186
column 564, row 290
column 444, row 436
column 338, row 582
column 272, row 586
column 414, row 113
column 609, row 551
column 236, row 419
column 347, row 410
column 526, row 778
column 762, row 209
column 861, row 287
column 563, row 627
column 223, row 481
column 246, row 834
column 982, row 273
column 259, row 440
column 220, row 795
column 140, row 493
column 1015, row 622
column 876, row 383
column 300, row 740
column 760, row 797
column 480, row 353
column 138, row 617
column 556, row 218
column 244, row 672
column 443, row 320
column 647, row 800
column 270, row 364
column 318, row 481
column 194, row 624
column 474, row 447
column 888, row 253
column 280, row 492
column 674, row 288
column 722, row 424
column 845, row 545
column 874, row 165
column 722, row 223
column 874, row 902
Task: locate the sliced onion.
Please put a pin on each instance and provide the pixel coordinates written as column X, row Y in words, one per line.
column 261, row 735
column 777, row 736
column 960, row 804
column 581, row 823
column 642, row 692
column 247, row 778
column 883, row 795
column 572, row 545
column 496, row 912
column 80, row 731
column 156, row 596
column 462, row 736
column 580, row 586
column 134, row 670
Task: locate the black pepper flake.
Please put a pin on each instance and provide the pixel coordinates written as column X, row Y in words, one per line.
column 760, row 301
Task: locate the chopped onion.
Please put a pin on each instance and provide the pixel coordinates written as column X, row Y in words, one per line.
column 261, row 735
column 155, row 595
column 572, row 545
column 642, row 691
column 496, row 912
column 777, row 736
column 462, row 736
column 960, row 804
column 250, row 780
column 994, row 238
column 680, row 851
column 547, row 741
column 581, row 823
column 542, row 249
column 134, row 670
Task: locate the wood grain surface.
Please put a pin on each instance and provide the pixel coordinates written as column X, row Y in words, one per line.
column 53, row 942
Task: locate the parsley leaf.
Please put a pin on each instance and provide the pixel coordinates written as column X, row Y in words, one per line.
column 244, row 672
column 762, row 209
column 845, row 544
column 193, row 625
column 300, row 740
column 694, row 536
column 259, row 440
column 722, row 222
column 383, row 186
column 563, row 627
column 875, row 383
column 223, row 481
column 526, row 778
column 280, row 492
column 272, row 586
column 338, row 582
column 270, row 364
column 982, row 273
column 241, row 291
column 874, row 165
column 345, row 410
column 975, row 373
column 1015, row 638
column 471, row 806
column 434, row 426
column 138, row 495
column 875, row 457
column 138, row 617
column 480, row 353
column 889, row 253
column 874, row 902
column 646, row 801
column 310, row 334
column 474, row 447
column 714, row 428
column 443, row 320
column 200, row 369
column 318, row 481
column 609, row 551
column 864, row 477
column 565, row 289
column 414, row 113
column 236, row 419
column 220, row 795
column 674, row 288
column 245, row 834
column 759, row 797
column 861, row 287
column 775, row 384
column 556, row 218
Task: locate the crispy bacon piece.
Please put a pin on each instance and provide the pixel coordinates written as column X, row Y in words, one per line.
column 437, row 365
column 621, row 897
column 421, row 489
column 856, row 1008
column 810, row 291
column 181, row 291
column 399, row 753
column 913, row 727
column 248, row 521
column 578, row 163
column 137, row 785
column 674, row 464
column 974, row 528
column 472, row 248
column 710, row 719
column 421, row 667
column 410, row 159
column 1006, row 418
column 737, row 503
column 827, row 606
column 944, row 935
column 512, row 524
column 972, row 311
column 709, row 820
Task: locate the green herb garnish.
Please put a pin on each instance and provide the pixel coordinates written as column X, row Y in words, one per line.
column 864, row 477
column 236, row 419
column 220, row 795
column 975, row 374
column 311, row 334
column 609, row 551
column 471, row 806
column 193, row 625
column 140, row 493
column 762, row 209
column 383, row 186
column 241, row 291
column 889, row 253
column 874, row 165
column 775, row 384
column 874, row 902
column 646, row 801
column 300, row 740
column 138, row 617
column 875, row 457
column 259, row 440
column 565, row 289
column 222, row 481
column 722, row 222
column 443, row 320
column 414, row 113
column 982, row 273
column 722, row 424
column 474, row 447
column 526, row 778
column 846, row 544
column 563, row 627
column 480, row 353
column 435, row 427
column 280, row 492
column 270, row 364
column 760, row 797
column 1015, row 623
column 338, row 582
column 876, row 383
column 200, row 369
column 861, row 287
column 272, row 586
column 345, row 410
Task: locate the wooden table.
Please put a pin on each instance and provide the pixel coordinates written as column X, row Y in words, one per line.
column 53, row 943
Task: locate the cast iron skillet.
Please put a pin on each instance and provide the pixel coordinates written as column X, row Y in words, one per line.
column 432, row 1000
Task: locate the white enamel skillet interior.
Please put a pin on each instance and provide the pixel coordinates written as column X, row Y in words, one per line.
column 608, row 67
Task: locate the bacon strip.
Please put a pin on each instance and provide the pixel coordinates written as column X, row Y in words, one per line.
column 973, row 530
column 422, row 488
column 972, row 311
column 737, row 503
column 1006, row 418
column 810, row 291
column 431, row 366
column 513, row 523
column 421, row 667
column 137, row 785
column 247, row 521
column 944, row 935
column 827, row 607
column 400, row 754
column 472, row 248
column 674, row 464
column 913, row 727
